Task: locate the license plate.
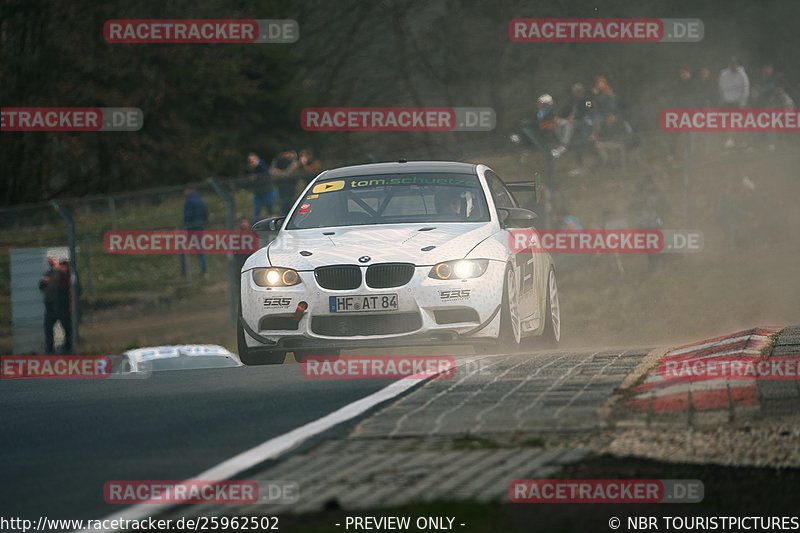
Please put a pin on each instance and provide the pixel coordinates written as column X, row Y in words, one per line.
column 371, row 302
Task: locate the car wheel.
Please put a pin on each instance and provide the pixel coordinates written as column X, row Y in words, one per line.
column 552, row 318
column 254, row 356
column 510, row 327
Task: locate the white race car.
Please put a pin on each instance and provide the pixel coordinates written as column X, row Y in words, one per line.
column 182, row 357
column 396, row 254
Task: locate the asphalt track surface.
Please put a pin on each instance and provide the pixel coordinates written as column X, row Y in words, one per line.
column 62, row 440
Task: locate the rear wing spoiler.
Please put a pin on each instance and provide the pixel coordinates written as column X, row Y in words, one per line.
column 534, row 186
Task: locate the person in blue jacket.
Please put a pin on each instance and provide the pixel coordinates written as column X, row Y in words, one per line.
column 195, row 217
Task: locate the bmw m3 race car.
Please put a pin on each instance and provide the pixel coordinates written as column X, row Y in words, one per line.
column 396, row 254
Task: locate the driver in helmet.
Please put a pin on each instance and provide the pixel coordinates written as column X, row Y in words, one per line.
column 448, row 203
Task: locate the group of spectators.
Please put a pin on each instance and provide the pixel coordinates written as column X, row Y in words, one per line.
column 584, row 122
column 735, row 89
column 594, row 119
column 279, row 181
column 273, row 184
column 56, row 287
column 732, row 89
column 588, row 121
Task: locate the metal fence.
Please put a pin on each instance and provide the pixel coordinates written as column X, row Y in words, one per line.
column 131, row 283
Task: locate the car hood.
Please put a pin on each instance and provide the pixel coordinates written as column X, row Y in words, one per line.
column 419, row 244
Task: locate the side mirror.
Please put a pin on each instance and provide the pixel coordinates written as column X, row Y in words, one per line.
column 269, row 224
column 516, row 217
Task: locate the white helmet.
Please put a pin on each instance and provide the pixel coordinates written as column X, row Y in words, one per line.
column 545, row 99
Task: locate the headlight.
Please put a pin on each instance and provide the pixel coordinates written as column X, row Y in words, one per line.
column 275, row 277
column 459, row 269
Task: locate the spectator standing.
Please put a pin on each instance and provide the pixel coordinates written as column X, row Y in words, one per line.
column 734, row 89
column 760, row 98
column 578, row 113
column 304, row 170
column 734, row 85
column 195, row 217
column 684, row 95
column 762, row 90
column 706, row 96
column 648, row 209
column 264, row 194
column 48, row 284
column 705, row 90
column 282, row 171
column 307, row 166
column 780, row 99
column 64, row 304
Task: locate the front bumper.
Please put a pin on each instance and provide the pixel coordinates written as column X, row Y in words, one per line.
column 429, row 311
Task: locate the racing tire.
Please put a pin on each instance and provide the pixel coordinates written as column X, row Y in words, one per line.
column 552, row 317
column 510, row 334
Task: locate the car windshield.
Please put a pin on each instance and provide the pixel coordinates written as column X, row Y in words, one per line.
column 391, row 199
